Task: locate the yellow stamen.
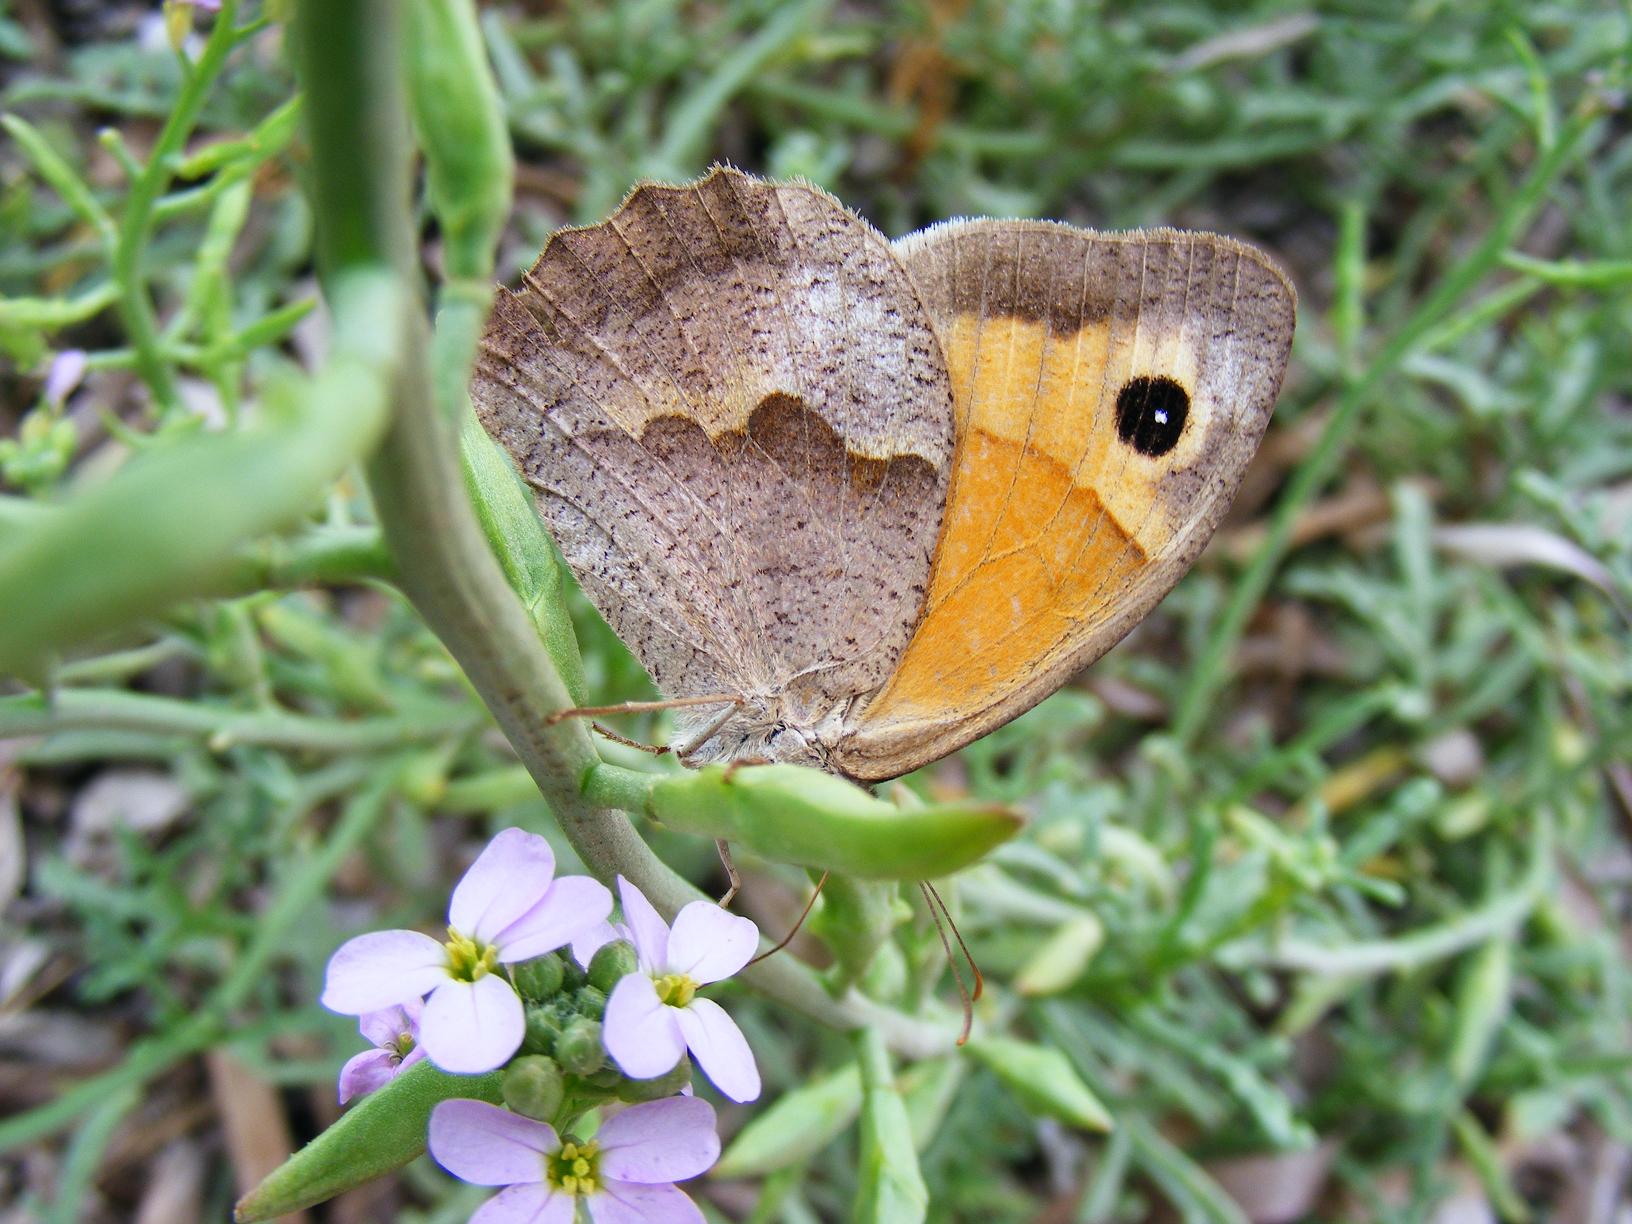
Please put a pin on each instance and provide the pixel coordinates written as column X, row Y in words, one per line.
column 575, row 1168
column 469, row 961
column 675, row 989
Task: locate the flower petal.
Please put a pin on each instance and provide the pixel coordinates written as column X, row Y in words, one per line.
column 647, row 929
column 376, row 970
column 720, row 1048
column 506, row 880
column 365, row 1072
column 708, row 944
column 66, row 372
column 623, row 1202
column 383, row 1027
column 489, row 1146
column 659, row 1141
column 471, row 1027
column 639, row 1031
column 572, row 905
column 537, row 1204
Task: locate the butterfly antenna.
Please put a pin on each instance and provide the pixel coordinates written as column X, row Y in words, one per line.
column 803, row 914
column 933, row 900
column 980, row 980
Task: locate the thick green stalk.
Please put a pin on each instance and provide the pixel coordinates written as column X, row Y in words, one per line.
column 349, row 60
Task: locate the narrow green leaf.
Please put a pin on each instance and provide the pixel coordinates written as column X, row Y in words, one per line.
column 889, row 1186
column 800, row 1124
column 524, row 549
column 1044, row 1079
column 62, row 177
column 1062, row 958
column 384, row 1131
column 1483, row 997
column 928, row 1088
column 1572, row 273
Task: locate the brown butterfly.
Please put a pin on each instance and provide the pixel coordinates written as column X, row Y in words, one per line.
column 870, row 500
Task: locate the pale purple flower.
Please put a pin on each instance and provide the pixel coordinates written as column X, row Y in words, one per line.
column 395, row 1034
column 67, row 372
column 625, row 1175
column 508, row 907
column 655, row 1015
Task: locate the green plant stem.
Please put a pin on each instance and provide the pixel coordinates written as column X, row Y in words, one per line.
column 359, row 160
column 118, row 710
column 136, row 223
column 323, row 556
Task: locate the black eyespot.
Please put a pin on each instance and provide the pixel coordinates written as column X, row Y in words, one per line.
column 1150, row 414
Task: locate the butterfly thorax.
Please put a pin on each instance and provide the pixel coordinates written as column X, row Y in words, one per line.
column 760, row 731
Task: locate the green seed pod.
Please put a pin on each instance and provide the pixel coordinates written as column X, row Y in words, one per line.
column 611, row 964
column 533, row 1086
column 461, row 122
column 540, row 978
column 579, row 1049
column 633, row 1090
column 792, row 814
column 543, row 1031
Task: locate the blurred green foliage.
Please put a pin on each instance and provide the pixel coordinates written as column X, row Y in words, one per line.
column 1328, row 863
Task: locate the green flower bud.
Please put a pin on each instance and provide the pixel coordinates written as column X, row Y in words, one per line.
column 633, row 1090
column 611, row 964
column 538, row 979
column 543, row 1031
column 579, row 1048
column 590, row 1002
column 572, row 975
column 532, row 1086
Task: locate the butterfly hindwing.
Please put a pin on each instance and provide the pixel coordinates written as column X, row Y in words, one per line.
column 1109, row 390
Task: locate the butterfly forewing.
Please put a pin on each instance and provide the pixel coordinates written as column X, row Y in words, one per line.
column 737, row 419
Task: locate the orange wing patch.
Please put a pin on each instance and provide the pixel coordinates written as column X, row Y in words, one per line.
column 1029, row 542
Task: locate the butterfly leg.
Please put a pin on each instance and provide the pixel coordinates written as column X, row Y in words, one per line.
column 707, row 733
column 724, row 847
column 641, row 707
column 654, row 749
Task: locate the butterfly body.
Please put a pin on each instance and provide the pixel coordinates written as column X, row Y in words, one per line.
column 884, row 496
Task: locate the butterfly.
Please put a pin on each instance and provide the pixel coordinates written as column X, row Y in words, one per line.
column 854, row 503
